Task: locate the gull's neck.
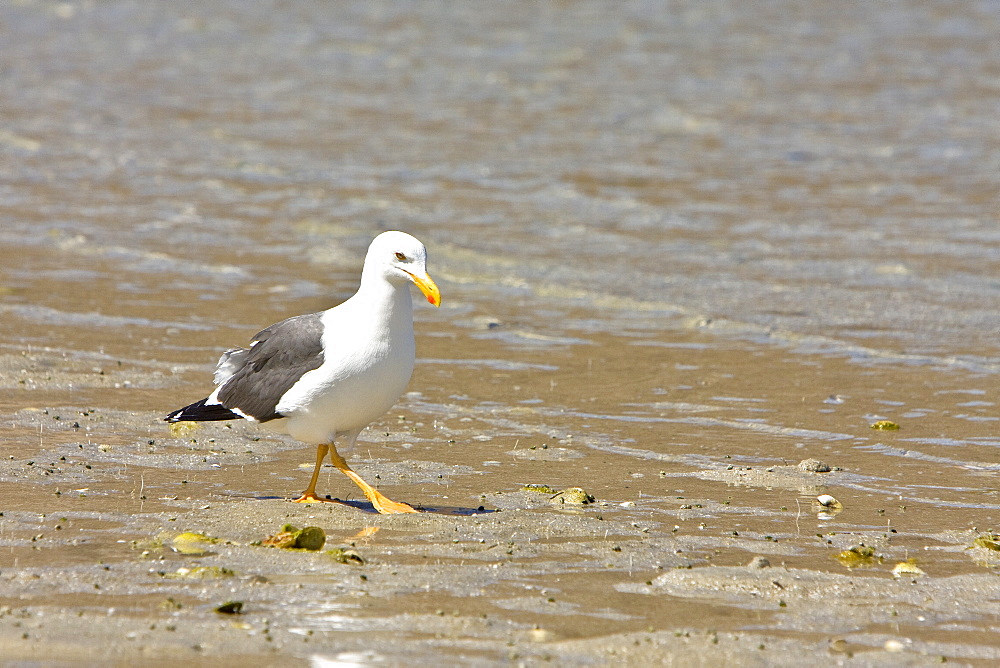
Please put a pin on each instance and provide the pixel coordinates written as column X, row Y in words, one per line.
column 381, row 299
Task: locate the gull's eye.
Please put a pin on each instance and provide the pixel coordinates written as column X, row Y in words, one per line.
column 400, row 257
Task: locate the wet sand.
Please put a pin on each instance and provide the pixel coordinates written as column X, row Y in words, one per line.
column 688, row 257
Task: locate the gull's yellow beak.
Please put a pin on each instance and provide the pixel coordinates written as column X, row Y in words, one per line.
column 428, row 287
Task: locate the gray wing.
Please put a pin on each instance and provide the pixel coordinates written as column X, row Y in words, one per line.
column 254, row 379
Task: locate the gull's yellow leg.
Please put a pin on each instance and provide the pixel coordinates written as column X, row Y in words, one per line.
column 309, row 496
column 381, row 503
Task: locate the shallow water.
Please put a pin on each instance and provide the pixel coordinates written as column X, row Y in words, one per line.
column 681, row 248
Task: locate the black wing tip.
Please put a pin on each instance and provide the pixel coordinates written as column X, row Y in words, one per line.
column 201, row 412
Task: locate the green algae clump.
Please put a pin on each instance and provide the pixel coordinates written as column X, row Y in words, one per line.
column 538, row 488
column 859, row 556
column 988, row 541
column 192, row 543
column 183, row 429
column 293, row 538
column 345, row 555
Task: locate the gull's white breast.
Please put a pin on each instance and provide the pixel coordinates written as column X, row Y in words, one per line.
column 368, row 361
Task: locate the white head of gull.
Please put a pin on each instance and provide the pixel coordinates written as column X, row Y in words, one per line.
column 326, row 376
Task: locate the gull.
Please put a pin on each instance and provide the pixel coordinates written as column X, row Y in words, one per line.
column 326, row 376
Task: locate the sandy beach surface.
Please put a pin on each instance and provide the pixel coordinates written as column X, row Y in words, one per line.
column 713, row 381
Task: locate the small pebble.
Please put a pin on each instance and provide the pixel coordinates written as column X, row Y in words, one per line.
column 230, row 608
column 759, row 562
column 838, row 645
column 814, row 466
column 907, row 569
column 827, row 501
column 893, row 645
column 572, row 495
